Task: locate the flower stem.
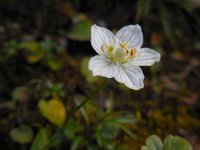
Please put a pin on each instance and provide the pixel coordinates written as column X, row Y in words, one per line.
column 88, row 98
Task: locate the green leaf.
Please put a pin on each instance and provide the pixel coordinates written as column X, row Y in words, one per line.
column 92, row 147
column 56, row 89
column 41, row 140
column 126, row 130
column 176, row 143
column 153, row 142
column 126, row 119
column 102, row 141
column 35, row 50
column 105, row 134
column 108, row 144
column 76, row 143
column 54, row 64
column 11, row 47
column 83, row 111
column 71, row 128
column 22, row 135
column 48, row 45
column 81, row 31
column 107, row 131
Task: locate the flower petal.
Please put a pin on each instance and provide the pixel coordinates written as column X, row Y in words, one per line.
column 146, row 57
column 102, row 66
column 131, row 76
column 100, row 36
column 132, row 35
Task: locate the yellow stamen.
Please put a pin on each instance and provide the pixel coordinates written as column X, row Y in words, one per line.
column 133, row 53
column 124, row 45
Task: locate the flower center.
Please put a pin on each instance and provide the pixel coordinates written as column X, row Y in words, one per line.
column 120, row 55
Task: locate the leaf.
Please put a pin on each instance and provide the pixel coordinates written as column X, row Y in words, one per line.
column 48, row 45
column 117, row 120
column 107, row 131
column 41, row 140
column 126, row 119
column 92, row 147
column 103, row 141
column 76, row 143
column 108, row 143
column 53, row 110
column 84, row 112
column 80, row 31
column 20, row 94
column 143, row 148
column 35, row 50
column 153, row 142
column 31, row 46
column 72, row 128
column 126, row 130
column 22, row 135
column 54, row 64
column 176, row 143
column 56, row 89
column 11, row 48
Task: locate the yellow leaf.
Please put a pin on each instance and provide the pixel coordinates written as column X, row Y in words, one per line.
column 33, row 58
column 53, row 110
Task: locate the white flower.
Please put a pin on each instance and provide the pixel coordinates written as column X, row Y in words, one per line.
column 120, row 55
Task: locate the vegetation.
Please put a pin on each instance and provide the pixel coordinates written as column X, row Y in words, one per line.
column 44, row 52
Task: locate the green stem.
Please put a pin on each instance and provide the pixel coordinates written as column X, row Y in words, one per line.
column 88, row 98
column 53, row 140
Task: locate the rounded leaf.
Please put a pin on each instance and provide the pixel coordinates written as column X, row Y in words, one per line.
column 22, row 135
column 53, row 110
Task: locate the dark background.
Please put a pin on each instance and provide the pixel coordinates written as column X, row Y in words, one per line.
column 169, row 102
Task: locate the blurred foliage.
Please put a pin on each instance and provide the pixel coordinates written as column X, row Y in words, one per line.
column 23, row 134
column 37, row 51
column 20, row 94
column 162, row 10
column 100, row 128
column 153, row 142
column 41, row 139
column 81, row 29
column 44, row 54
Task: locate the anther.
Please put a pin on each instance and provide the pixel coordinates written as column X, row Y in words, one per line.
column 104, row 48
column 133, row 51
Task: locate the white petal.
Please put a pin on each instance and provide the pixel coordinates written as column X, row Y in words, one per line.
column 100, row 36
column 132, row 35
column 146, row 57
column 102, row 66
column 131, row 76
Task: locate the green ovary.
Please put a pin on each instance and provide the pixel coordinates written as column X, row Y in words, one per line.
column 119, row 55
